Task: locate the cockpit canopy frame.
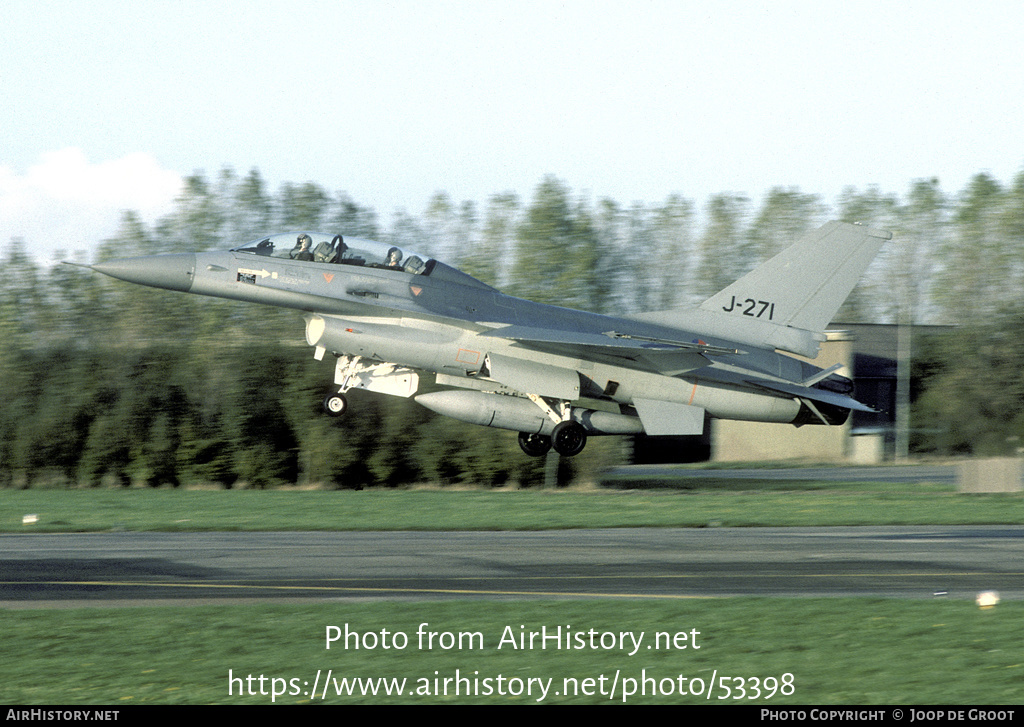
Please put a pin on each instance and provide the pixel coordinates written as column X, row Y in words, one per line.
column 331, row 248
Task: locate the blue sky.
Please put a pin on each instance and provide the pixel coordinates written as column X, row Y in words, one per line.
column 106, row 105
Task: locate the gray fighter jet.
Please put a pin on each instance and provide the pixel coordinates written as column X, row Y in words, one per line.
column 552, row 374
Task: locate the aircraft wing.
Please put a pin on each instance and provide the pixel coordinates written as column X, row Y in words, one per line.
column 651, row 354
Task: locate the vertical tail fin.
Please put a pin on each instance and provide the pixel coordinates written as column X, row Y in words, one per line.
column 805, row 284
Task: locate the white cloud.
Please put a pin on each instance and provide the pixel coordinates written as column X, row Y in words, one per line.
column 65, row 202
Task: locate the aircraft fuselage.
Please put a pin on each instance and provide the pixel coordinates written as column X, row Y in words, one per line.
column 539, row 369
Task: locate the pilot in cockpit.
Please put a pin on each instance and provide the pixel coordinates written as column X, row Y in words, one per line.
column 302, row 245
column 394, row 259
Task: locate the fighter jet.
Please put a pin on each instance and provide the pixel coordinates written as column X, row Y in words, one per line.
column 555, row 375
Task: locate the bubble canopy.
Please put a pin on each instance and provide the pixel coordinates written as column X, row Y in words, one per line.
column 334, row 249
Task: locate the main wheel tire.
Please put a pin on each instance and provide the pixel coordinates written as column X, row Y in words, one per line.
column 335, row 404
column 569, row 438
column 535, row 445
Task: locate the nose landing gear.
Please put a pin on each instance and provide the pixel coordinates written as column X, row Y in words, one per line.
column 335, row 404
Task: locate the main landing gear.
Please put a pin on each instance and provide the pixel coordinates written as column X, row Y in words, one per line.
column 568, row 439
column 535, row 445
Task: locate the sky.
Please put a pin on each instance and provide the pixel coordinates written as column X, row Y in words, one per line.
column 105, row 105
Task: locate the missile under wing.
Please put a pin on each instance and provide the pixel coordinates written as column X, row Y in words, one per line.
column 387, row 316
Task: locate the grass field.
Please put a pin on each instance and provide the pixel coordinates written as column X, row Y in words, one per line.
column 803, row 504
column 835, row 651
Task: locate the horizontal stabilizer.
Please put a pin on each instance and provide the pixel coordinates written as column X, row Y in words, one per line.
column 806, row 392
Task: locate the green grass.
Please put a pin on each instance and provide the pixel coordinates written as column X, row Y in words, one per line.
column 182, row 510
column 838, row 651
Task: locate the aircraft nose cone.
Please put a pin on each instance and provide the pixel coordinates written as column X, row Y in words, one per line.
column 173, row 272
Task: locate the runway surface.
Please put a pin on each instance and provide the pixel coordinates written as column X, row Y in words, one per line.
column 902, row 474
column 148, row 568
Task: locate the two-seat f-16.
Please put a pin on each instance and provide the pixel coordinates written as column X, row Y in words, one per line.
column 554, row 375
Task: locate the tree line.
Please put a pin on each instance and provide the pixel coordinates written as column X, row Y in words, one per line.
column 105, row 382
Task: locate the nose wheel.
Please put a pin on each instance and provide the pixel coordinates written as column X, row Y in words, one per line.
column 335, row 404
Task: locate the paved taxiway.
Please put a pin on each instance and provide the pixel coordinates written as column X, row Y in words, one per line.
column 902, row 562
